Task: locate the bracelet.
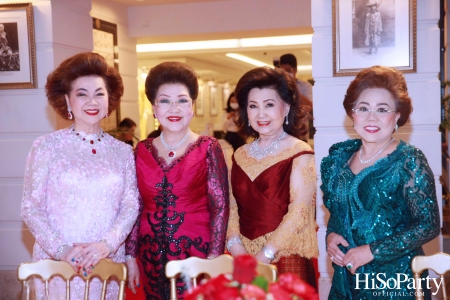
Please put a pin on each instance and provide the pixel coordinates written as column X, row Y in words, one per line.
column 268, row 253
column 128, row 256
column 111, row 249
column 233, row 241
column 60, row 251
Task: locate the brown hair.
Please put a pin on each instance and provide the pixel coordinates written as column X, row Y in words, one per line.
column 286, row 88
column 171, row 72
column 386, row 78
column 59, row 82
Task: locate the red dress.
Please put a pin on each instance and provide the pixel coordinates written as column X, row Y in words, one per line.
column 185, row 210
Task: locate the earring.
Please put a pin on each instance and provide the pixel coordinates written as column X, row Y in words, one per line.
column 396, row 127
column 69, row 115
column 249, row 124
column 107, row 115
column 287, row 122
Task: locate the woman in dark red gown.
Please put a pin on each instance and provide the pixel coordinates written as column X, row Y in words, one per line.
column 273, row 179
column 182, row 179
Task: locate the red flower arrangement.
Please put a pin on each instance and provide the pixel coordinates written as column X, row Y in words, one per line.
column 244, row 284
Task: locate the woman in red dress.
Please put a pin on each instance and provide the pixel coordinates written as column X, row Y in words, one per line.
column 273, row 179
column 182, row 179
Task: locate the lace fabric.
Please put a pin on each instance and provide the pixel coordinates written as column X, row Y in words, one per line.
column 296, row 234
column 185, row 208
column 391, row 206
column 73, row 196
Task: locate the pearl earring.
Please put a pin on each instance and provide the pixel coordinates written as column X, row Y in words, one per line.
column 69, row 115
column 396, row 127
column 287, row 122
column 107, row 115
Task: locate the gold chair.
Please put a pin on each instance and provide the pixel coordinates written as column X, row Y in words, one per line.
column 194, row 266
column 439, row 263
column 48, row 268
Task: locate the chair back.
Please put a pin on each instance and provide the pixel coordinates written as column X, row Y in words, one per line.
column 47, row 268
column 439, row 263
column 194, row 266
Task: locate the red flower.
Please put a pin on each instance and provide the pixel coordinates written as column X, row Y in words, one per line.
column 279, row 292
column 244, row 268
column 253, row 292
column 294, row 285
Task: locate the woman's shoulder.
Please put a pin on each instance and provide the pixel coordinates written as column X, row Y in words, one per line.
column 340, row 152
column 408, row 151
column 55, row 137
column 117, row 145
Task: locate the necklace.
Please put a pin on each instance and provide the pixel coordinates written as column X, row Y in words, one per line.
column 259, row 153
column 172, row 149
column 370, row 159
column 90, row 138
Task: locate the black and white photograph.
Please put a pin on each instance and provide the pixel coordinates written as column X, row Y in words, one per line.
column 373, row 32
column 17, row 46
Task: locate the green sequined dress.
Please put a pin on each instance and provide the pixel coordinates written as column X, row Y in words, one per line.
column 391, row 206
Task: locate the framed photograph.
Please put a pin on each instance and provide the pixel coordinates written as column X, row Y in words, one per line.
column 373, row 32
column 199, row 103
column 213, row 101
column 105, row 44
column 17, row 47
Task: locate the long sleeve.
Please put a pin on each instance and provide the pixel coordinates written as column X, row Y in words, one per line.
column 34, row 200
column 296, row 234
column 129, row 206
column 421, row 205
column 132, row 241
column 233, row 222
column 218, row 197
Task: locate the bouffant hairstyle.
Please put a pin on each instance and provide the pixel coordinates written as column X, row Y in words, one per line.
column 59, row 82
column 171, row 72
column 386, row 78
column 286, row 88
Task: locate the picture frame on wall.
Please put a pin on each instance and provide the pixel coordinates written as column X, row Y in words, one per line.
column 106, row 44
column 17, row 46
column 374, row 32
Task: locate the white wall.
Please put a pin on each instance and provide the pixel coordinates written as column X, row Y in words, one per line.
column 117, row 14
column 333, row 125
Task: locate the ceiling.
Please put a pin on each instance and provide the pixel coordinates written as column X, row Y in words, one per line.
column 213, row 64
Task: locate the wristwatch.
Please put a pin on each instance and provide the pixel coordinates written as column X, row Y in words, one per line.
column 268, row 253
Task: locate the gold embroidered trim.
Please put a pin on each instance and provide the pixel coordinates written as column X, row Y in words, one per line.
column 253, row 167
column 301, row 241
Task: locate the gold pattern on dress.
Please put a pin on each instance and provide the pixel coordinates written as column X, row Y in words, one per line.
column 302, row 241
column 309, row 173
column 253, row 167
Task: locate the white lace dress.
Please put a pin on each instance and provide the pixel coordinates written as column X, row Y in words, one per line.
column 72, row 195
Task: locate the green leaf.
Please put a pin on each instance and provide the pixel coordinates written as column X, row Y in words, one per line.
column 261, row 282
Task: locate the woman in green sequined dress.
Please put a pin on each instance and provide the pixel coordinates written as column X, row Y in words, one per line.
column 380, row 193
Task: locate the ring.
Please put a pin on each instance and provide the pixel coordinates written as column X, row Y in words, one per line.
column 349, row 266
column 94, row 255
column 332, row 258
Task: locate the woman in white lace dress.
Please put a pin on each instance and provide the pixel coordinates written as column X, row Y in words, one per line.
column 80, row 197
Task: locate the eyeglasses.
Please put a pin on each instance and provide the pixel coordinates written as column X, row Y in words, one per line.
column 180, row 103
column 379, row 112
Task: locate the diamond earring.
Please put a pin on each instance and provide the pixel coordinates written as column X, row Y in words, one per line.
column 287, row 122
column 69, row 115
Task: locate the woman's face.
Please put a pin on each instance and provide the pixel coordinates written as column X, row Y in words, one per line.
column 173, row 107
column 234, row 103
column 373, row 127
column 266, row 111
column 88, row 101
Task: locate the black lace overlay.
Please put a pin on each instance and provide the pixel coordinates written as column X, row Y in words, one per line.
column 163, row 247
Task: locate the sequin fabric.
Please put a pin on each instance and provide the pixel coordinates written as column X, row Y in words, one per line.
column 185, row 209
column 74, row 196
column 390, row 205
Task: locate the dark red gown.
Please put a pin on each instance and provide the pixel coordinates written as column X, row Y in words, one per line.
column 185, row 209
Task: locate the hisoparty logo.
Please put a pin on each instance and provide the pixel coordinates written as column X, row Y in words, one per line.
column 389, row 285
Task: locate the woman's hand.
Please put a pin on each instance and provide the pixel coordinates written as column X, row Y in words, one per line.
column 92, row 253
column 133, row 274
column 237, row 249
column 336, row 255
column 262, row 258
column 72, row 255
column 358, row 257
